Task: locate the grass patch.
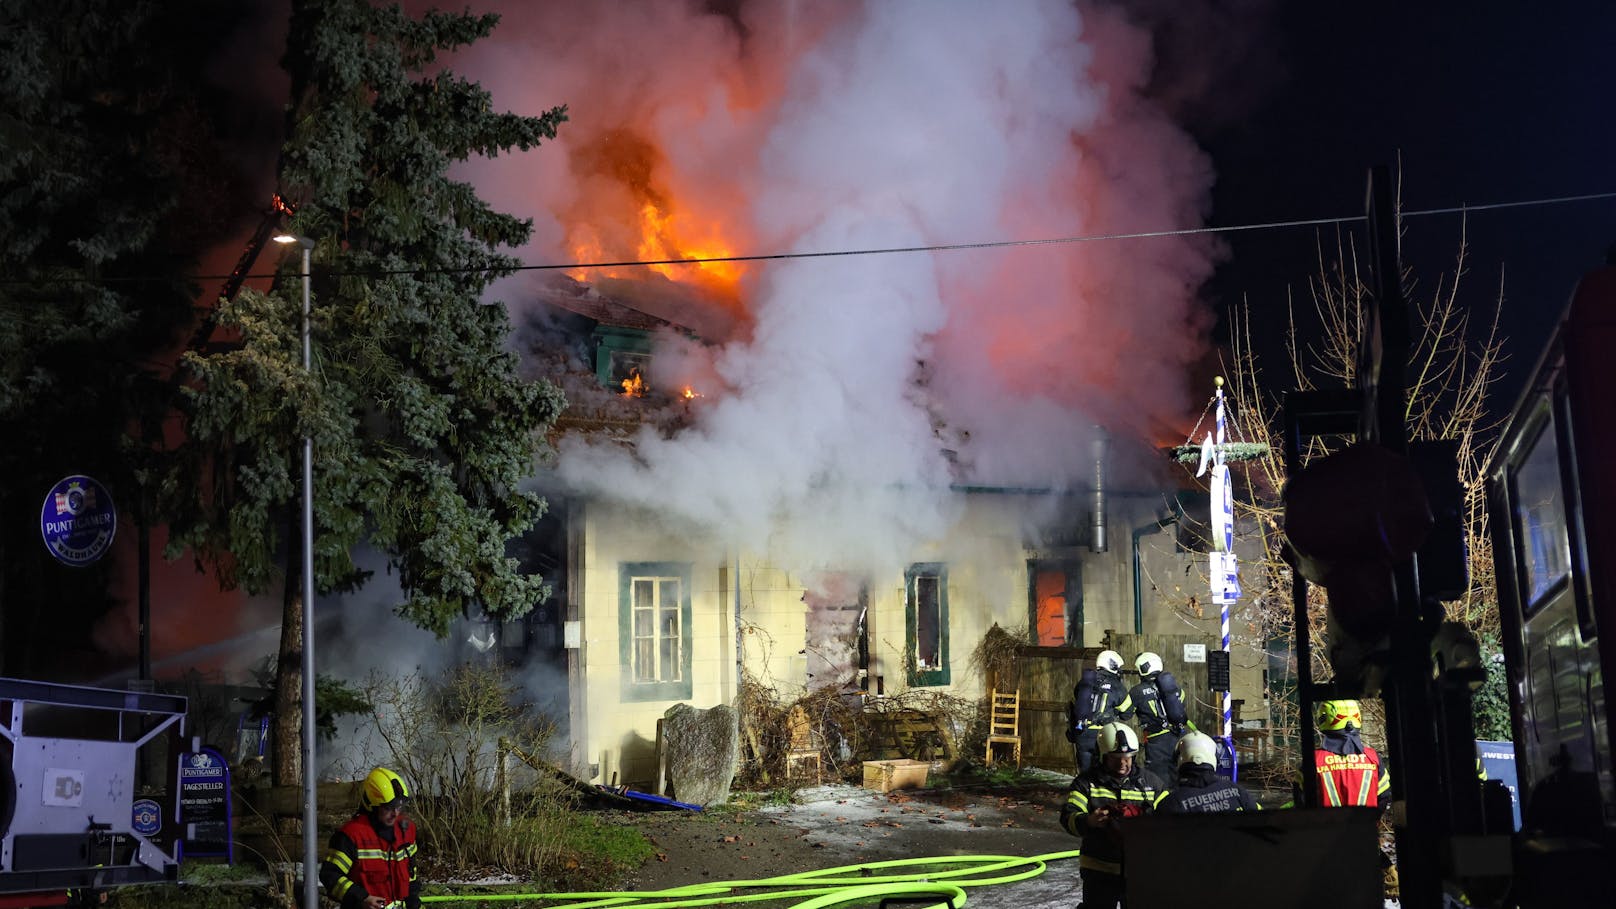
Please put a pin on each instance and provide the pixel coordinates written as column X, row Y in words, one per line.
column 595, row 855
column 752, row 801
column 201, row 873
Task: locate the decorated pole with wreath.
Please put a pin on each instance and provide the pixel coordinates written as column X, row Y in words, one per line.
column 1223, row 569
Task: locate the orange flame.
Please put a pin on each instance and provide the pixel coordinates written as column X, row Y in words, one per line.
column 691, row 394
column 634, row 386
column 630, row 213
column 660, row 239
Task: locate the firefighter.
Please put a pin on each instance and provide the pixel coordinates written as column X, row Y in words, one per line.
column 1200, row 788
column 370, row 863
column 1158, row 702
column 1349, row 772
column 1100, row 697
column 1114, row 788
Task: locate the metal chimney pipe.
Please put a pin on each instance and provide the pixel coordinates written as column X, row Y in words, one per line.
column 1097, row 541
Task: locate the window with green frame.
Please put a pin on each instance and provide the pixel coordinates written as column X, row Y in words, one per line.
column 926, row 624
column 653, row 630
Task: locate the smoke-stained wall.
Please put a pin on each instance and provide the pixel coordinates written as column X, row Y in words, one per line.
column 766, row 613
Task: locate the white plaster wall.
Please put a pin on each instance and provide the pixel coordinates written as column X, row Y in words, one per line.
column 986, row 554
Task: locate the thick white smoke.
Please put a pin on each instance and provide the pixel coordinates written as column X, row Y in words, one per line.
column 813, row 127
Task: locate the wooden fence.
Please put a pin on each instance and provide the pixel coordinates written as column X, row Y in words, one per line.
column 259, row 813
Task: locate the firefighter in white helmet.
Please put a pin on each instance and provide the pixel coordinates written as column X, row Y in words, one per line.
column 1101, row 697
column 1158, row 703
column 1200, row 788
column 1115, row 788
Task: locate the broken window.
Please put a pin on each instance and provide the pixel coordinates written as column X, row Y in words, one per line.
column 1056, row 589
column 926, row 621
column 836, row 648
column 654, row 630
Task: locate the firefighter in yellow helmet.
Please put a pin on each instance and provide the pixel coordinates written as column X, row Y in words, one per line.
column 370, row 863
column 1347, row 772
column 1114, row 788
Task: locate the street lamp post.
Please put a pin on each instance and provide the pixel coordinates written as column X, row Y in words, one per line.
column 311, row 882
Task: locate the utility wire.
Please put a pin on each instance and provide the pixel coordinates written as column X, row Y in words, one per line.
column 870, row 251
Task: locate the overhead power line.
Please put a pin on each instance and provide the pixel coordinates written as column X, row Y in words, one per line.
column 870, row 251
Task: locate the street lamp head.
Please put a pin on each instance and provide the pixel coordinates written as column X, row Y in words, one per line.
column 299, row 239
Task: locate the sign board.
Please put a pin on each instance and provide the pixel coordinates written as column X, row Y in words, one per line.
column 1498, row 763
column 1195, row 653
column 78, row 521
column 1217, row 670
column 204, row 806
column 146, row 818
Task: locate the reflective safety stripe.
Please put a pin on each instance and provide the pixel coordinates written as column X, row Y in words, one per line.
column 1085, row 860
column 339, row 859
column 1078, row 800
column 1365, row 784
column 1331, row 797
column 341, row 889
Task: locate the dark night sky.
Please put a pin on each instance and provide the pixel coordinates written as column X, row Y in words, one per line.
column 1484, row 102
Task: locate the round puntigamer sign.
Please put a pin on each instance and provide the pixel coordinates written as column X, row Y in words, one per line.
column 78, row 521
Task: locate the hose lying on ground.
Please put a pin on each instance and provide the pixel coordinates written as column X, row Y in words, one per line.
column 818, row 889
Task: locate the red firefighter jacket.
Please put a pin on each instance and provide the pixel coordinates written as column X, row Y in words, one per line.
column 1351, row 774
column 364, row 861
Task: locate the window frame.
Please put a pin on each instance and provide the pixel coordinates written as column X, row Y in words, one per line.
column 673, row 690
column 942, row 675
column 1073, row 569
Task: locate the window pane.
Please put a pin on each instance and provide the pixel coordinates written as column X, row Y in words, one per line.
column 670, row 659
column 1540, row 514
column 644, row 660
column 644, row 590
column 670, row 593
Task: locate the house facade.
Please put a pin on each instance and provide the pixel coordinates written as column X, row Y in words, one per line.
column 658, row 618
column 658, row 613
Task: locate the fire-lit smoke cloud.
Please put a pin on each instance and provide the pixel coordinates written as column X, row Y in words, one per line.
column 855, row 389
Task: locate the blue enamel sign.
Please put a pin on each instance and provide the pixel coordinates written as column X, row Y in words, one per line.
column 147, row 817
column 78, row 521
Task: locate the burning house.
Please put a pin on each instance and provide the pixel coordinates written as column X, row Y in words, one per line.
column 662, row 604
column 817, row 435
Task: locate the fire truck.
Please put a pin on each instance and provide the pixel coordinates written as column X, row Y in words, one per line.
column 1379, row 525
column 73, row 818
column 1552, row 513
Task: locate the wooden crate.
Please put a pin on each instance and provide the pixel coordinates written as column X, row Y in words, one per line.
column 885, row 776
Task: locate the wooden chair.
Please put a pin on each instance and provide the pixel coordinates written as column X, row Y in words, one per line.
column 803, row 749
column 1004, row 720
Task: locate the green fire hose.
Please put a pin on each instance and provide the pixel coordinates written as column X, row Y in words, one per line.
column 816, row 889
